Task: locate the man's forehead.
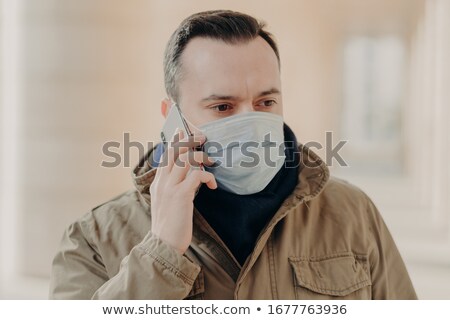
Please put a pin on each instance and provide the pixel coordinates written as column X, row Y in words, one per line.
column 202, row 50
column 227, row 69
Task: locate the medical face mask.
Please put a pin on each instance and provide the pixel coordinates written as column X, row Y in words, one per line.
column 248, row 150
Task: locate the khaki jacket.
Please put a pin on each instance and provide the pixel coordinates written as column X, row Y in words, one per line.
column 326, row 241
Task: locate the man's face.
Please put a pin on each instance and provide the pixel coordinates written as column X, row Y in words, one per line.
column 219, row 79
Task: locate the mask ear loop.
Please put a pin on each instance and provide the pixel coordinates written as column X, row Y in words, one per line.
column 185, row 124
column 190, row 128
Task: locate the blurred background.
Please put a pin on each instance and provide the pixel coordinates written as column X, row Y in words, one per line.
column 76, row 74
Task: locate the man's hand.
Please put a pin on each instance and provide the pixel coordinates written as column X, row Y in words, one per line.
column 174, row 188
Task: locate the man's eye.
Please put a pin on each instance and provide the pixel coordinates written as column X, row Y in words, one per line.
column 222, row 107
column 268, row 103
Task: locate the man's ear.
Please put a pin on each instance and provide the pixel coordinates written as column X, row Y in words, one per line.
column 165, row 106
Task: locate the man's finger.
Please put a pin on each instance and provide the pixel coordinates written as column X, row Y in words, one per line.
column 196, row 177
column 187, row 143
column 188, row 160
column 168, row 155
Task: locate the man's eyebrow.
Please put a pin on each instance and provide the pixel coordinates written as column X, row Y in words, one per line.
column 215, row 97
column 269, row 92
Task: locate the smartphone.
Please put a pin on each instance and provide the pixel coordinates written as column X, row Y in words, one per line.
column 174, row 120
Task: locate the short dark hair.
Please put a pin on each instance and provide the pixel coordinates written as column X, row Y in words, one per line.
column 225, row 25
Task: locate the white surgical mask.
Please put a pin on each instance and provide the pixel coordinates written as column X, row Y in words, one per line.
column 248, row 149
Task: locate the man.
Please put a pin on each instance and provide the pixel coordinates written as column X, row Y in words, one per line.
column 281, row 229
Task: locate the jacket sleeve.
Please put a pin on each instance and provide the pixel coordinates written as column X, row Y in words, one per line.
column 152, row 270
column 390, row 279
